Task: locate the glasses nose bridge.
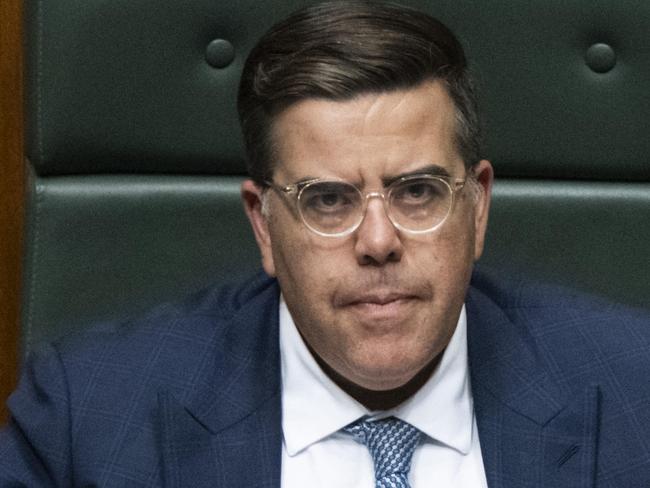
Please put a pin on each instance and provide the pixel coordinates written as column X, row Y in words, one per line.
column 375, row 194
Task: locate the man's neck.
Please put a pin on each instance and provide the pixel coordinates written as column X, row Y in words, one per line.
column 379, row 399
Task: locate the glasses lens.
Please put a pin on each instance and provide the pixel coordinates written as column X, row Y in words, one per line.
column 420, row 204
column 330, row 207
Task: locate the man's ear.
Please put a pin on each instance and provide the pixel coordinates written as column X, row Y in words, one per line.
column 484, row 176
column 251, row 195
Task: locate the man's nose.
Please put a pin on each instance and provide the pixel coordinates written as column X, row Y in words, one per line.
column 377, row 239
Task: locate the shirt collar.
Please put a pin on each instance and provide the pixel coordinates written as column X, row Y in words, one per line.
column 314, row 407
column 444, row 408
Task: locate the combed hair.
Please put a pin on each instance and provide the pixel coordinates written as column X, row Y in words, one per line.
column 339, row 50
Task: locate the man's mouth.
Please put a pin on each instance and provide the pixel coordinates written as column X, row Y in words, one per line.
column 377, row 298
column 378, row 306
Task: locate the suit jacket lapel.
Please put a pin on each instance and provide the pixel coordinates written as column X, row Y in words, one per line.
column 245, row 454
column 532, row 432
column 227, row 431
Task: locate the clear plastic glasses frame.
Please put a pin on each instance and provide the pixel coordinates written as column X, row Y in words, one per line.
column 352, row 203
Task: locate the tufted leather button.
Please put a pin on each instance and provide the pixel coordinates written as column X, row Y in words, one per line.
column 601, row 58
column 219, row 53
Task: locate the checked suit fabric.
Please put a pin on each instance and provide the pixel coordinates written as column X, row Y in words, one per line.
column 391, row 443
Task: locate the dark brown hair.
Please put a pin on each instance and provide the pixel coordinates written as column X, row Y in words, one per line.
column 341, row 49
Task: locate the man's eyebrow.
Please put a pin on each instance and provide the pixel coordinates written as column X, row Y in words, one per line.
column 301, row 181
column 432, row 169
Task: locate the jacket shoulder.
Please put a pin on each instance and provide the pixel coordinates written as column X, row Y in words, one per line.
column 93, row 397
column 204, row 313
column 521, row 298
column 579, row 342
column 581, row 338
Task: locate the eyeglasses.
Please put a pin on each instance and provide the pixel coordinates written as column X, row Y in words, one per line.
column 415, row 204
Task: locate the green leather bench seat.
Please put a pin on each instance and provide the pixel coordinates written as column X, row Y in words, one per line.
column 109, row 246
column 125, row 87
column 588, row 235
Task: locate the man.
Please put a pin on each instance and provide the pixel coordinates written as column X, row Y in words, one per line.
column 373, row 356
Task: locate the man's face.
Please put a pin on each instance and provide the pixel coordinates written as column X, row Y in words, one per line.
column 379, row 304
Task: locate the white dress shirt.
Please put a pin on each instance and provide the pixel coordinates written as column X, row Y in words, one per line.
column 316, row 454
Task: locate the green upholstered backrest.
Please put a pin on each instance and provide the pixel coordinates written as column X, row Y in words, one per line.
column 135, row 153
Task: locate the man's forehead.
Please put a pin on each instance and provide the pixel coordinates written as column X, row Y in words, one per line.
column 385, row 105
column 399, row 131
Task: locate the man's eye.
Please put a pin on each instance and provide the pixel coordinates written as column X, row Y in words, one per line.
column 330, row 199
column 417, row 192
column 327, row 201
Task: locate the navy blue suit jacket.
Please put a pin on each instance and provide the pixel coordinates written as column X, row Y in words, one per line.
column 189, row 396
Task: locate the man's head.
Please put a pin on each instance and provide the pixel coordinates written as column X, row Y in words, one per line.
column 369, row 95
column 338, row 50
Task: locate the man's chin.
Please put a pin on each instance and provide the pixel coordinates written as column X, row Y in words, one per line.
column 382, row 388
column 383, row 377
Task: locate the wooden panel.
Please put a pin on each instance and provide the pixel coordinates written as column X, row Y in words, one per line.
column 11, row 193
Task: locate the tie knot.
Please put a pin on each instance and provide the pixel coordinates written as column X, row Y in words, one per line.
column 391, row 443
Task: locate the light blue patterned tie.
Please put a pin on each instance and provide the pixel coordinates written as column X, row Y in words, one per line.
column 391, row 443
